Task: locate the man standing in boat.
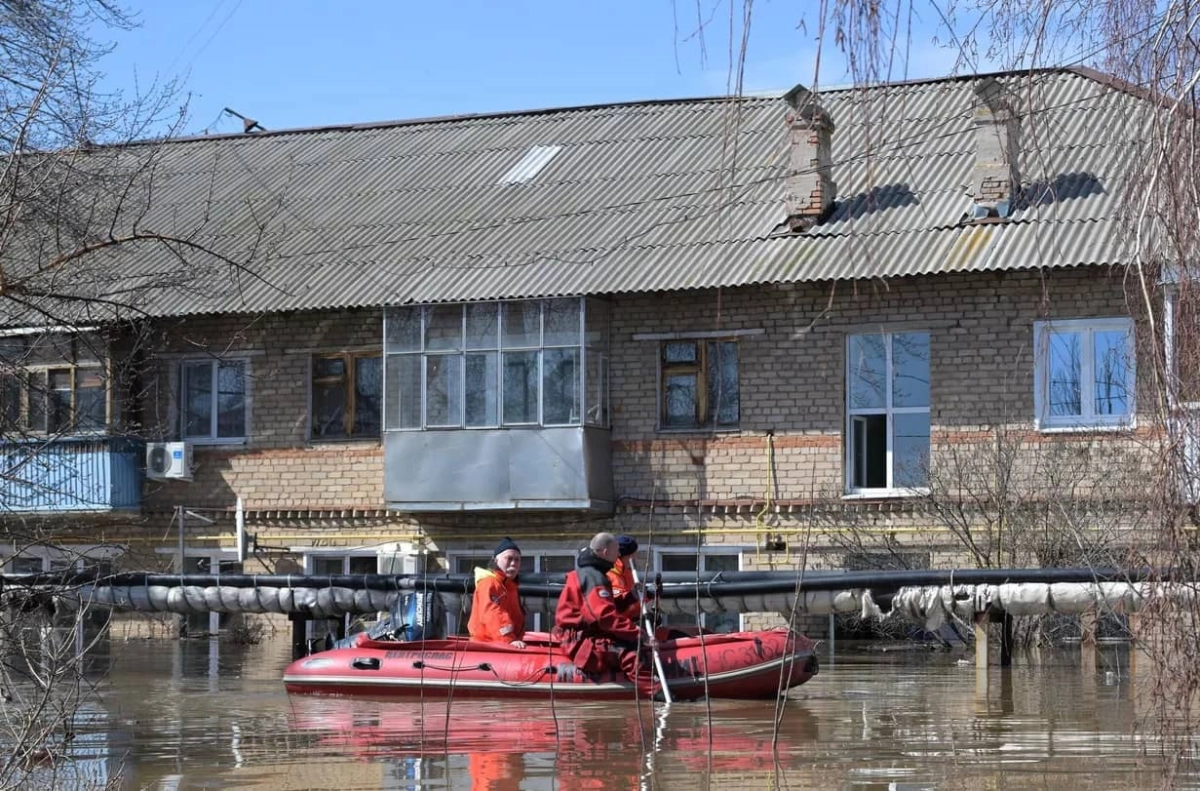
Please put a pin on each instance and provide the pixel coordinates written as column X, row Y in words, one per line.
column 496, row 612
column 596, row 635
column 624, row 588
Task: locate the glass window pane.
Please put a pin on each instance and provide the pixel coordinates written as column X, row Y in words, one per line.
column 520, row 387
column 58, row 402
column 674, row 562
column 562, row 323
column 1111, row 372
column 329, row 564
column 443, row 328
column 328, row 397
column 867, row 372
column 10, row 402
column 90, row 401
column 557, row 564
column 197, row 399
column 597, row 389
column 483, row 389
column 403, row 330
column 721, row 562
column 483, row 325
column 466, row 564
column 364, row 564
column 522, row 324
column 403, row 391
column 37, row 400
column 329, row 367
column 1064, row 373
column 443, row 396
column 368, row 395
column 24, row 564
column 910, row 369
column 723, row 394
column 868, row 451
column 231, row 399
column 681, row 352
column 328, row 409
column 680, row 400
column 910, row 450
column 560, row 387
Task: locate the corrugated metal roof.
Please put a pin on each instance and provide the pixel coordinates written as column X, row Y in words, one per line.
column 612, row 199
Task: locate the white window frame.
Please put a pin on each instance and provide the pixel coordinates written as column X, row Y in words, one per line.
column 1087, row 420
column 214, row 413
column 857, row 455
column 588, row 414
column 80, row 555
column 700, row 555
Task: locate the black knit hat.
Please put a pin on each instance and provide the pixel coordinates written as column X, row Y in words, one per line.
column 627, row 544
column 505, row 544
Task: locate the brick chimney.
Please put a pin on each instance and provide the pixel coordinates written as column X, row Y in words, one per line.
column 995, row 179
column 809, row 184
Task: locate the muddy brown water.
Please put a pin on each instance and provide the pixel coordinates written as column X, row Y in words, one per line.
column 202, row 715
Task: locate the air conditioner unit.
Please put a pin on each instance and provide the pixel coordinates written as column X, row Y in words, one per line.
column 169, row 460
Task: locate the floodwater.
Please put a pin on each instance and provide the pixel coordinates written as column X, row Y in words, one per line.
column 203, row 715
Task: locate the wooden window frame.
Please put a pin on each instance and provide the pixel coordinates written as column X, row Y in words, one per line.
column 26, row 376
column 703, row 421
column 349, row 392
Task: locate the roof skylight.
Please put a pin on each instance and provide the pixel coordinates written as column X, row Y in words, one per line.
column 530, row 165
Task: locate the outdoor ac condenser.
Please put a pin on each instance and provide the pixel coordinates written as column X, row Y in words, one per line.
column 169, row 460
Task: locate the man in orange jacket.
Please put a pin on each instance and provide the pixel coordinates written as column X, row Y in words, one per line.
column 624, row 588
column 496, row 612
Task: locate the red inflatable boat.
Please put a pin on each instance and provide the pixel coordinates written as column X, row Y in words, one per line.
column 742, row 665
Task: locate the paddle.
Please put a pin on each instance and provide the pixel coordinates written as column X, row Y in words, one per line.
column 645, row 617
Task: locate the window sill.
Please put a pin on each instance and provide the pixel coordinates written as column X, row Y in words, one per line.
column 324, row 442
column 700, row 431
column 508, row 427
column 1087, row 428
column 211, row 441
column 881, row 494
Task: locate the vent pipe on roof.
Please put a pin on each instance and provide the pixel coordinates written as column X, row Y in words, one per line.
column 995, row 178
column 809, row 184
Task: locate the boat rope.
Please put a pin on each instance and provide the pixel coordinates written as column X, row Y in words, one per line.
column 529, row 681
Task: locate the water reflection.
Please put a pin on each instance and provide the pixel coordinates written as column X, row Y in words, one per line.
column 200, row 715
column 580, row 745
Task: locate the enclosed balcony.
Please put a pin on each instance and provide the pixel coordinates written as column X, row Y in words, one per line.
column 70, row 475
column 497, row 406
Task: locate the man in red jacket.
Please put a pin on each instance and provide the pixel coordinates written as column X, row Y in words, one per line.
column 496, row 612
column 593, row 632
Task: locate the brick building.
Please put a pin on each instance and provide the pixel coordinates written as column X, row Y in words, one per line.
column 755, row 333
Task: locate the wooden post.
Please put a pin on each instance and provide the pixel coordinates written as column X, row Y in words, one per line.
column 299, row 638
column 1006, row 640
column 1087, row 642
column 981, row 655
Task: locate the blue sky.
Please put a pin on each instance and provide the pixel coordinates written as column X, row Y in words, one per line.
column 308, row 63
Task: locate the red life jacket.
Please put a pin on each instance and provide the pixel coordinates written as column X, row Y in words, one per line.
column 587, row 622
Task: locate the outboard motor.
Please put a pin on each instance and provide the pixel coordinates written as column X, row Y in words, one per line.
column 417, row 615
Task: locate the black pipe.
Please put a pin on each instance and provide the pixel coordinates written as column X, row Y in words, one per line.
column 676, row 585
